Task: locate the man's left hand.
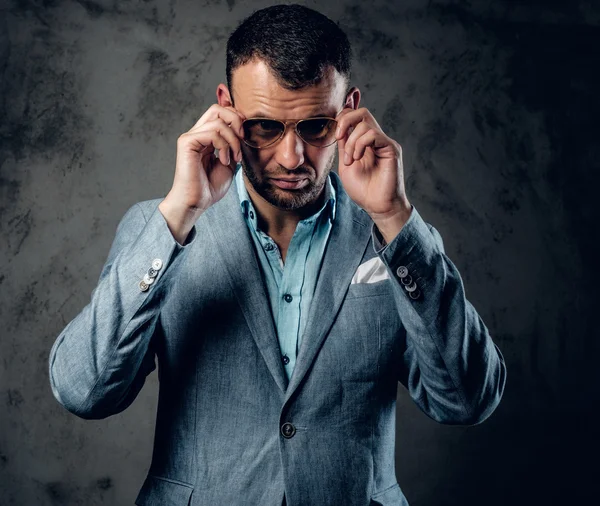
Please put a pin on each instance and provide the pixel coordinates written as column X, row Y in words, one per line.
column 370, row 167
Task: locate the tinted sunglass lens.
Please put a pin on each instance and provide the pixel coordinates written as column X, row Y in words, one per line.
column 318, row 131
column 260, row 132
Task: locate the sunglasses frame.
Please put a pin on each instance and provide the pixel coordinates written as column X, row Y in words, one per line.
column 285, row 127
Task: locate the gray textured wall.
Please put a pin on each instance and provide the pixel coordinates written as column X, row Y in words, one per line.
column 495, row 106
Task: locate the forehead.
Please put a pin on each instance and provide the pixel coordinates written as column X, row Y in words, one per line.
column 255, row 89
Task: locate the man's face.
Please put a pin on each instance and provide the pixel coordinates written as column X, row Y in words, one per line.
column 256, row 93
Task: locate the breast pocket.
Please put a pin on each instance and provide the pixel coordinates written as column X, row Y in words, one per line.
column 359, row 290
column 352, row 348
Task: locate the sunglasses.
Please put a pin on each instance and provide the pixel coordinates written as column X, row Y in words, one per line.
column 264, row 132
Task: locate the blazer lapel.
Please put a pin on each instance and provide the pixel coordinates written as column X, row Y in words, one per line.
column 347, row 242
column 230, row 233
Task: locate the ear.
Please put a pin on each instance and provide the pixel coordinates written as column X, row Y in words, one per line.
column 223, row 96
column 353, row 98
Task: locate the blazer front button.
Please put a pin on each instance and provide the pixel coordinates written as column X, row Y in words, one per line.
column 288, row 430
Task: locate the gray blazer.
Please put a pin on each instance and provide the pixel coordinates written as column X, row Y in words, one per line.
column 230, row 430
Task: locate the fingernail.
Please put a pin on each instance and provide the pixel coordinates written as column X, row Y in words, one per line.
column 337, row 132
column 238, row 157
column 347, row 158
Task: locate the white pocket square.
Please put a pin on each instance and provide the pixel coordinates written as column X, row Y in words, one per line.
column 371, row 271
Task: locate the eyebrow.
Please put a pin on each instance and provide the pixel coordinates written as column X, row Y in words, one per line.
column 314, row 114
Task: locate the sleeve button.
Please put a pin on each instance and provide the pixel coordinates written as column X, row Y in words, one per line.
column 410, row 288
column 402, row 271
column 415, row 295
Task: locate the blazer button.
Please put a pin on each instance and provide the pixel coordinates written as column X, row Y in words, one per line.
column 288, row 430
column 147, row 279
column 406, row 280
column 410, row 288
column 415, row 295
column 402, row 271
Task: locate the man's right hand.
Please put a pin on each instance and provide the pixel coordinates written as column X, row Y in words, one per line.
column 201, row 179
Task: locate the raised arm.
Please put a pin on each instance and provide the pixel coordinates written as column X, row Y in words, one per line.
column 451, row 367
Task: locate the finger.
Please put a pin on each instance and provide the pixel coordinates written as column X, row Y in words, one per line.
column 352, row 118
column 359, row 130
column 345, row 119
column 227, row 133
column 242, row 118
column 207, row 141
column 368, row 139
column 229, row 114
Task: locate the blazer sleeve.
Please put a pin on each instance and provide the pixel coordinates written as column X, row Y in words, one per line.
column 99, row 362
column 451, row 367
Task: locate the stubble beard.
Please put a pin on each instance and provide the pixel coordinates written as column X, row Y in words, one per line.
column 288, row 200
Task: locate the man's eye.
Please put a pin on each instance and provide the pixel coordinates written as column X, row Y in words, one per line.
column 268, row 126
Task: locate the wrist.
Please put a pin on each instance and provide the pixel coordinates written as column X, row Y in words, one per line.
column 180, row 219
column 390, row 223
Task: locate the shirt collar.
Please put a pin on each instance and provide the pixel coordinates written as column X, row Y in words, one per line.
column 329, row 207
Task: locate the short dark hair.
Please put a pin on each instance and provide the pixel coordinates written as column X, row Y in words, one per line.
column 297, row 43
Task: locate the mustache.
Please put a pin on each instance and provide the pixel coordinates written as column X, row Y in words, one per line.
column 296, row 174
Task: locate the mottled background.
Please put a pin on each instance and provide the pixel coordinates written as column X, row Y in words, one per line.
column 495, row 104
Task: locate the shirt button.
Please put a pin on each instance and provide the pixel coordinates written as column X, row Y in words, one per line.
column 251, row 215
column 288, row 430
column 288, row 297
column 402, row 271
column 269, row 246
column 286, row 359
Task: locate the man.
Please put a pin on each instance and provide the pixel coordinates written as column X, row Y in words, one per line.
column 283, row 302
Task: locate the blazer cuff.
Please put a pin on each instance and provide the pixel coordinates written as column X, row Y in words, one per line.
column 153, row 251
column 412, row 254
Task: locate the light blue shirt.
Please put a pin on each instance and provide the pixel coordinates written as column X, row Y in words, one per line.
column 290, row 285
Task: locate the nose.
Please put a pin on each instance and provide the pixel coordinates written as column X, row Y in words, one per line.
column 290, row 150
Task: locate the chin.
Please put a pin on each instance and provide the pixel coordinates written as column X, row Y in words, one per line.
column 288, row 200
